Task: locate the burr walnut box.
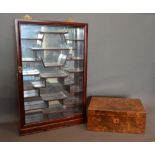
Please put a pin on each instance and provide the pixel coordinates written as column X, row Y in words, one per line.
column 121, row 115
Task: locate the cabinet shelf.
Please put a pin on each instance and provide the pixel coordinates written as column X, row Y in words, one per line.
column 53, row 32
column 31, row 60
column 52, row 49
column 60, row 74
column 56, row 64
column 34, row 111
column 53, row 96
column 34, row 72
column 32, row 39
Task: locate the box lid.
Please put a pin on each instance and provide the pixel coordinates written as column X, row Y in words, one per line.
column 112, row 106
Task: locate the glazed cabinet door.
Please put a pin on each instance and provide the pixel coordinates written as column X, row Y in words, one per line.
column 51, row 70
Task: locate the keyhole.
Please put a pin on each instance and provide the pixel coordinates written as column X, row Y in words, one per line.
column 116, row 120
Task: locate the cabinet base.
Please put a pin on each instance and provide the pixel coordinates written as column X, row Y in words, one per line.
column 49, row 126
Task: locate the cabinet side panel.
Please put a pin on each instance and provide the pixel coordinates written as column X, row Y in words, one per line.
column 19, row 74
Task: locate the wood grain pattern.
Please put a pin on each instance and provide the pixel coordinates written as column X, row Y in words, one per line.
column 116, row 115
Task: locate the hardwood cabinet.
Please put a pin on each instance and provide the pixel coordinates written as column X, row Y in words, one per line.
column 52, row 74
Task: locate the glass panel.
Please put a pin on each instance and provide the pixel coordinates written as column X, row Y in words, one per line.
column 52, row 59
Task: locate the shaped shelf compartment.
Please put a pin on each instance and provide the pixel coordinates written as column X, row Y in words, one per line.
column 60, row 62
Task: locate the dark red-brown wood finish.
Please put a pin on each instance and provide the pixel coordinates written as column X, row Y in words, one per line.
column 50, row 124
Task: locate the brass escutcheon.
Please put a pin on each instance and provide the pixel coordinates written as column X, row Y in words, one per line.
column 116, row 120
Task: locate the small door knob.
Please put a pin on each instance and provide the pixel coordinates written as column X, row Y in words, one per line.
column 19, row 69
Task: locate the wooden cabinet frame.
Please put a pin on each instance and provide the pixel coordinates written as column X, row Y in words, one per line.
column 55, row 123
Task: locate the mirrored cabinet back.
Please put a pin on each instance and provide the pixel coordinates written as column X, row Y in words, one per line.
column 52, row 74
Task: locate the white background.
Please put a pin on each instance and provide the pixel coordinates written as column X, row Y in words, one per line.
column 70, row 6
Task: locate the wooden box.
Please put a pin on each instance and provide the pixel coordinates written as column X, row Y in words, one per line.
column 116, row 115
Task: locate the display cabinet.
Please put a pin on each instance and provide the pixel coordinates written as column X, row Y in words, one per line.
column 52, row 74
